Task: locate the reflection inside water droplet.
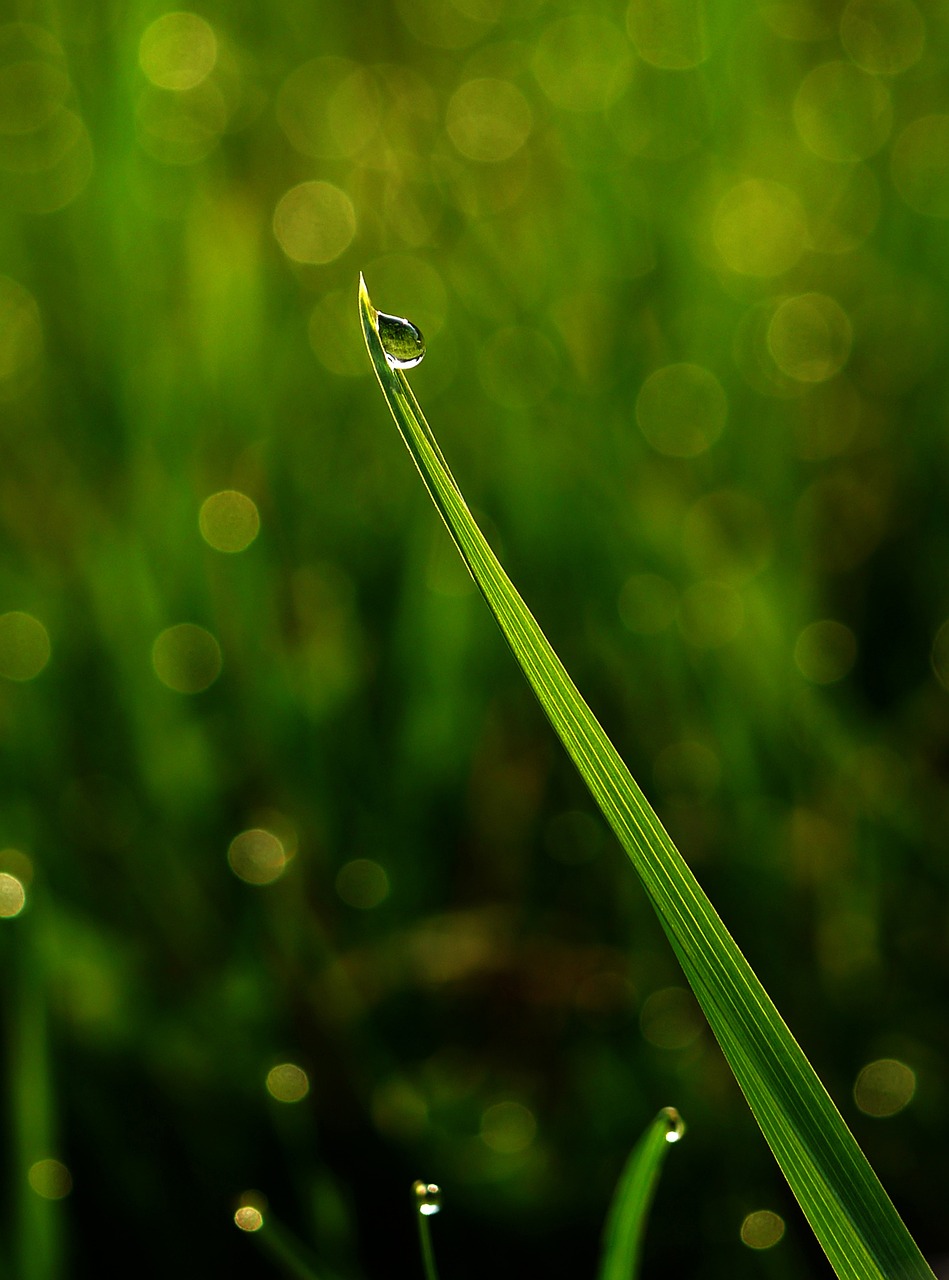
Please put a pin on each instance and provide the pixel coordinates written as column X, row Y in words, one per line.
column 401, row 340
column 675, row 1124
column 428, row 1196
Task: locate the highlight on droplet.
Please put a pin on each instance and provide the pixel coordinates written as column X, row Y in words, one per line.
column 762, row 1229
column 401, row 340
column 883, row 1088
column 675, row 1125
column 287, row 1082
column 428, row 1197
column 24, row 646
column 229, row 521
column 50, row 1179
column 186, row 658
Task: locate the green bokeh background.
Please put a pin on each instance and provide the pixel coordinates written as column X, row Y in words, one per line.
column 567, row 198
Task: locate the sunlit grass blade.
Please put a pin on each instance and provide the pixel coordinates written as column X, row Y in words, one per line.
column 850, row 1213
column 426, row 1199
column 626, row 1220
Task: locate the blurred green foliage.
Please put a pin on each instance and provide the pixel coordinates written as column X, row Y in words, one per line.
column 682, row 271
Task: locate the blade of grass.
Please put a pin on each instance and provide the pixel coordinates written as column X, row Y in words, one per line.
column 426, row 1199
column 850, row 1213
column 626, row 1221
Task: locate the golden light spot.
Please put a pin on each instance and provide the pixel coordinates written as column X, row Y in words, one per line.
column 825, row 651
column 726, row 535
column 229, row 521
column 759, row 228
column 672, row 34
column 843, row 203
column 329, row 107
column 177, row 51
column 31, row 92
column 50, row 1179
column 582, row 62
column 884, row 1087
column 257, row 856
column 180, row 128
column 248, row 1218
column 428, row 1197
column 24, row 646
column 802, row 20
column 762, row 1229
column 12, row 896
column 186, row 658
column 688, row 770
column 488, row 120
column 314, row 222
column 647, row 604
column 940, row 655
column 920, row 165
column 362, row 883
column 288, row 1082
column 883, row 37
column 681, row 410
column 518, row 367
column 21, row 333
column 710, row 614
column 842, row 113
column 447, row 26
column 508, row 1128
column 671, row 1018
column 810, row 337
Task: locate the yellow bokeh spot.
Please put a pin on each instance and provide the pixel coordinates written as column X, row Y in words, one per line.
column 508, row 1128
column 762, row 1229
column 288, row 1082
column 884, row 1087
column 647, row 604
column 841, row 113
column 21, row 333
column 31, row 92
column 329, row 107
column 12, row 896
column 759, row 228
column 180, row 128
column 362, row 883
column 843, row 203
column 186, row 658
column 883, row 37
column 24, row 646
column 229, row 521
column 671, row 1019
column 488, row 120
column 314, row 222
column 50, row 1179
column 681, row 410
column 920, row 165
column 582, row 62
column 447, row 26
column 671, row 34
column 248, row 1218
column 177, row 51
column 710, row 614
column 810, row 337
column 257, row 856
column 825, row 651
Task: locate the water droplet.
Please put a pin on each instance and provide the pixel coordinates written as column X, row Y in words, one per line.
column 401, row 340
column 675, row 1125
column 428, row 1195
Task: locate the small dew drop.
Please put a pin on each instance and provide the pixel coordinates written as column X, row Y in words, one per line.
column 428, row 1197
column 675, row 1125
column 401, row 340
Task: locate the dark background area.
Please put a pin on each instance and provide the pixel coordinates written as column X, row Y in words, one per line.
column 683, row 274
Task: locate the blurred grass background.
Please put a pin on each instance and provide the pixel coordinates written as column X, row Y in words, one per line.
column 273, row 792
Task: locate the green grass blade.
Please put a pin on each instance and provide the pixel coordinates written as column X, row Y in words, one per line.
column 626, row 1220
column 850, row 1213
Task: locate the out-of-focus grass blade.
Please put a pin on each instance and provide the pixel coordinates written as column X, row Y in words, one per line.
column 850, row 1213
column 626, row 1220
